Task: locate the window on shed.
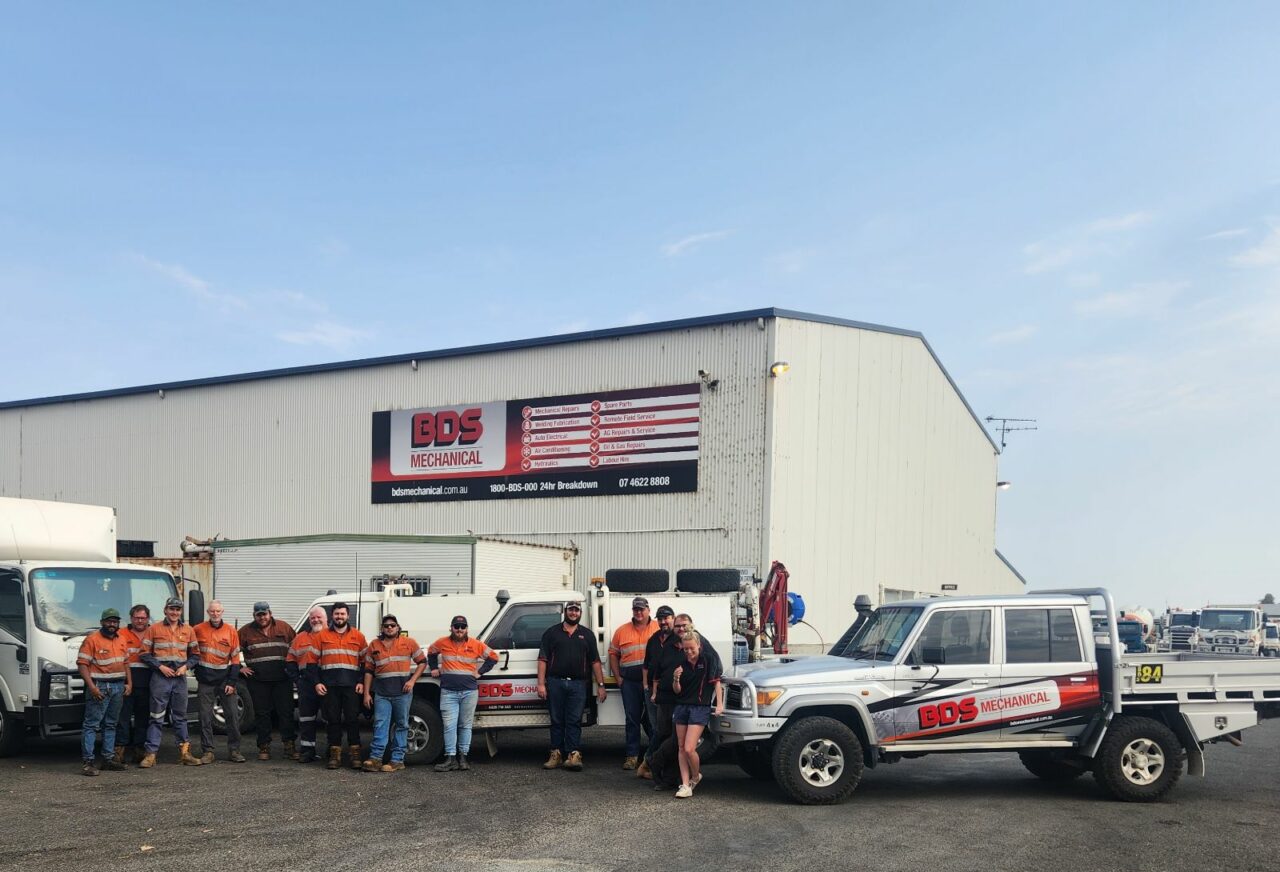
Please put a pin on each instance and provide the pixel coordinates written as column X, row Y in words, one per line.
column 1041, row 636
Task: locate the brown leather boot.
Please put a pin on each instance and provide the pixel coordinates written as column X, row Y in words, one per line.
column 335, row 757
column 630, row 763
column 554, row 759
column 574, row 761
column 264, row 752
column 118, row 755
column 148, row 760
column 643, row 771
column 354, row 752
column 291, row 750
column 372, row 766
column 185, row 757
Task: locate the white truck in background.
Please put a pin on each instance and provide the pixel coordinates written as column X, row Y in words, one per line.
column 58, row 572
column 1230, row 629
column 1178, row 633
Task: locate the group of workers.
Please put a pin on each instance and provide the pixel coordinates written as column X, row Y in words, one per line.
column 135, row 680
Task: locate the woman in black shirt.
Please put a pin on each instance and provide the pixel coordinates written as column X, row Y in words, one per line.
column 696, row 682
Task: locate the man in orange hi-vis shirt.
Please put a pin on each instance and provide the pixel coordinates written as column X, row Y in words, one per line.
column 458, row 661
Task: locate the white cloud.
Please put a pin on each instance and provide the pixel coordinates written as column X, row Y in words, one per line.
column 1079, row 243
column 1265, row 253
column 198, row 287
column 1021, row 333
column 689, row 243
column 1148, row 298
column 1226, row 234
column 327, row 333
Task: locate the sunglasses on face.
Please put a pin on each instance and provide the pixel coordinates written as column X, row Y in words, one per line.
column 459, row 626
column 391, row 624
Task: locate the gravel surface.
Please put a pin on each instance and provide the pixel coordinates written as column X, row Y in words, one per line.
column 952, row 812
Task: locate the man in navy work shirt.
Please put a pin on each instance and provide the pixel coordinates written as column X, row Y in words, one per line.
column 567, row 660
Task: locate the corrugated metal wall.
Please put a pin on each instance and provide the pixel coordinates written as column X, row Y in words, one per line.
column 881, row 478
column 518, row 568
column 289, row 575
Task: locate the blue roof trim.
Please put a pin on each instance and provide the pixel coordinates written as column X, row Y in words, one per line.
column 1012, row 569
column 537, row 342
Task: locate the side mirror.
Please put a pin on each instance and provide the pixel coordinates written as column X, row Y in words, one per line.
column 934, row 655
column 195, row 606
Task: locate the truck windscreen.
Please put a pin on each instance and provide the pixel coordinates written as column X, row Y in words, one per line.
column 71, row 599
column 1228, row 619
column 881, row 637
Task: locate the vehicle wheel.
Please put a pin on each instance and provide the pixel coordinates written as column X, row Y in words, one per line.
column 817, row 761
column 1140, row 760
column 1051, row 765
column 708, row 745
column 755, row 760
column 637, row 580
column 12, row 733
column 708, row 580
column 426, row 733
column 244, row 703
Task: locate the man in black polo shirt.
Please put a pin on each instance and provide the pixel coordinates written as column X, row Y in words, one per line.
column 567, row 660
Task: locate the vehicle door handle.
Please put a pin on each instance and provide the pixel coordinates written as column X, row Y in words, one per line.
column 506, row 660
column 980, row 682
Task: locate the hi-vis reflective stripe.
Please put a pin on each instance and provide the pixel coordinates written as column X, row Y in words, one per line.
column 254, row 653
column 350, row 666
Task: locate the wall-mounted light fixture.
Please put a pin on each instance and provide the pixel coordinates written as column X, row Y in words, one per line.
column 778, row 368
column 413, row 365
column 1004, row 485
column 708, row 380
column 161, row 392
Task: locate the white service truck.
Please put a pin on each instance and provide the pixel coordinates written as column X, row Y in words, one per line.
column 512, row 623
column 1226, row 629
column 1178, row 633
column 1016, row 673
column 58, row 572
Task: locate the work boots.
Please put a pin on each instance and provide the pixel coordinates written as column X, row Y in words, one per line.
column 448, row 764
column 206, row 758
column 308, row 755
column 643, row 771
column 335, row 756
column 185, row 757
column 629, row 763
column 111, row 765
column 554, row 759
column 291, row 750
column 264, row 752
column 118, row 755
column 372, row 765
column 574, row 761
column 235, row 756
column 355, row 756
column 463, row 765
column 148, row 760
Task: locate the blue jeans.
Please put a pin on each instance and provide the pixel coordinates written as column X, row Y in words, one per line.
column 458, row 710
column 633, row 704
column 566, row 698
column 390, row 714
column 101, row 715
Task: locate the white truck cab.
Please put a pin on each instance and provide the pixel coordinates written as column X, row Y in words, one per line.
column 57, row 574
column 1226, row 629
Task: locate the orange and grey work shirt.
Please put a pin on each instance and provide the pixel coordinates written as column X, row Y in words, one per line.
column 219, row 653
column 341, row 659
column 302, row 653
column 265, row 649
column 628, row 646
column 460, row 663
column 171, row 645
column 104, row 657
column 391, row 662
column 141, row 671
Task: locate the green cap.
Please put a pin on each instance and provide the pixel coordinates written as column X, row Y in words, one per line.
column 109, row 613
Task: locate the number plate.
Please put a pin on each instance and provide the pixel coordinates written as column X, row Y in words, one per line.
column 1147, row 674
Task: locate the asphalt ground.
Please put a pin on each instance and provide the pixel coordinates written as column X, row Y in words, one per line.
column 944, row 812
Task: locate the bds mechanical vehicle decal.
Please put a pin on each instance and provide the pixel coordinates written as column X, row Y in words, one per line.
column 1039, row 704
column 508, row 694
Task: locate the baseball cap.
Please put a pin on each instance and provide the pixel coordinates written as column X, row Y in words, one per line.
column 261, row 606
column 173, row 603
column 666, row 612
column 458, row 621
column 109, row 613
column 639, row 603
column 573, row 605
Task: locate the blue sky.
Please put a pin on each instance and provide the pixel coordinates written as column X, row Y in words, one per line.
column 1079, row 206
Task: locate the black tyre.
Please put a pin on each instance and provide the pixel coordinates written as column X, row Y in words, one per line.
column 638, row 580
column 1052, row 765
column 244, row 703
column 12, row 733
column 755, row 760
column 708, row 580
column 817, row 761
column 1140, row 760
column 425, row 742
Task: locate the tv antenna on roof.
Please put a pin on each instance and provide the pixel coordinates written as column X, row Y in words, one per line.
column 1004, row 428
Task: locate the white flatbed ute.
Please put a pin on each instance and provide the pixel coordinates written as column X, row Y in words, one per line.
column 1012, row 673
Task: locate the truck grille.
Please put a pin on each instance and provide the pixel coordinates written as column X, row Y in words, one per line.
column 733, row 697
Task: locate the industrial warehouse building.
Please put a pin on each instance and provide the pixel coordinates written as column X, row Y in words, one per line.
column 843, row 449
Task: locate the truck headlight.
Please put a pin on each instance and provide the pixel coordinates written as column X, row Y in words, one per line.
column 60, row 687
column 767, row 697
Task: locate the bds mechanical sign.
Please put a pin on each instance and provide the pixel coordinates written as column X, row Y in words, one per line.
column 612, row 442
